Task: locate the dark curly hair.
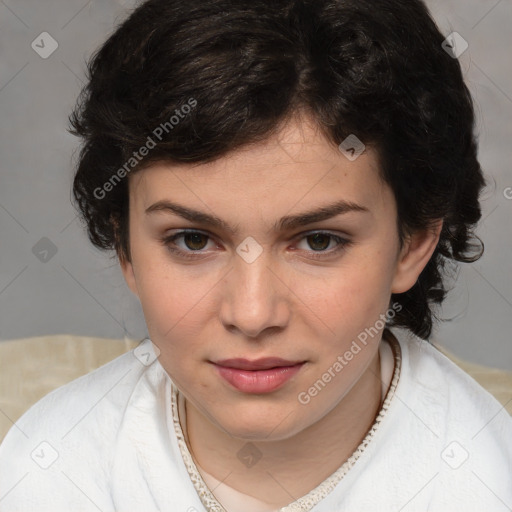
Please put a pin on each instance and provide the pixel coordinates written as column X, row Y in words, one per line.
column 374, row 69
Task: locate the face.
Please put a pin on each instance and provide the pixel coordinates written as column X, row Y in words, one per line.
column 267, row 279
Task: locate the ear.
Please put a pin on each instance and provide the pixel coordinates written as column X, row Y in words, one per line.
column 414, row 256
column 129, row 275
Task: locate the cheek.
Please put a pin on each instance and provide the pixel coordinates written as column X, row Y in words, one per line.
column 169, row 293
column 174, row 308
column 353, row 288
column 350, row 300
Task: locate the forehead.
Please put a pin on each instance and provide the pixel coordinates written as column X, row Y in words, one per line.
column 297, row 164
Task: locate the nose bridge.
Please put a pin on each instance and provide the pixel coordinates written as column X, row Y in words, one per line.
column 254, row 296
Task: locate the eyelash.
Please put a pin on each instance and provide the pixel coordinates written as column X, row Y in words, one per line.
column 168, row 242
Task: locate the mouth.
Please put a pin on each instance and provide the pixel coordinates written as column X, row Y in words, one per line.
column 257, row 376
column 264, row 363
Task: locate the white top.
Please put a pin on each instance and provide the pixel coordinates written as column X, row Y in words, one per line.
column 112, row 441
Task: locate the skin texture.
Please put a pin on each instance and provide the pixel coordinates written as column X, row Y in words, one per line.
column 285, row 303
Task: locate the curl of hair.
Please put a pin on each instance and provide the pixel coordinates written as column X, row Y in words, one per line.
column 374, row 70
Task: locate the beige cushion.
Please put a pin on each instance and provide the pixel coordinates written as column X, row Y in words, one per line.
column 497, row 382
column 30, row 368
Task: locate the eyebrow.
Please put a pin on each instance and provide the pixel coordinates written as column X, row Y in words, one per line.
column 288, row 222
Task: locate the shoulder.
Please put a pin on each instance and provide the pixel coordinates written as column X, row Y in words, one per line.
column 466, row 433
column 74, row 426
column 105, row 388
column 462, row 398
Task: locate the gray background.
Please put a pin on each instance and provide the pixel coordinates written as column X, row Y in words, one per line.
column 80, row 290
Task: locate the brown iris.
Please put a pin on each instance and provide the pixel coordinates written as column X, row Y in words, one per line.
column 318, row 237
column 195, row 240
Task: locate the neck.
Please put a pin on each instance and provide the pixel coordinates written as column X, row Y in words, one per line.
column 290, row 468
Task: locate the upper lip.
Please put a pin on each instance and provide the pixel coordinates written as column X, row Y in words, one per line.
column 263, row 363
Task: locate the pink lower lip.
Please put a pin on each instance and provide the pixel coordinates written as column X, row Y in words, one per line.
column 258, row 381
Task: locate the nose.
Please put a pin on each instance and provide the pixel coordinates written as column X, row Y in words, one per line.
column 256, row 298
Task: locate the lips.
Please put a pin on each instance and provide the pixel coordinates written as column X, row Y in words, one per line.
column 264, row 363
column 258, row 376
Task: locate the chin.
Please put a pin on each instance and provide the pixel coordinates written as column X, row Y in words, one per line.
column 257, row 426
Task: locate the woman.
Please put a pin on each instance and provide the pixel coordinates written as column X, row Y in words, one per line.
column 223, row 141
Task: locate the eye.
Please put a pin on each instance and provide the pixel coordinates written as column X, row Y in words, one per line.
column 194, row 241
column 321, row 240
